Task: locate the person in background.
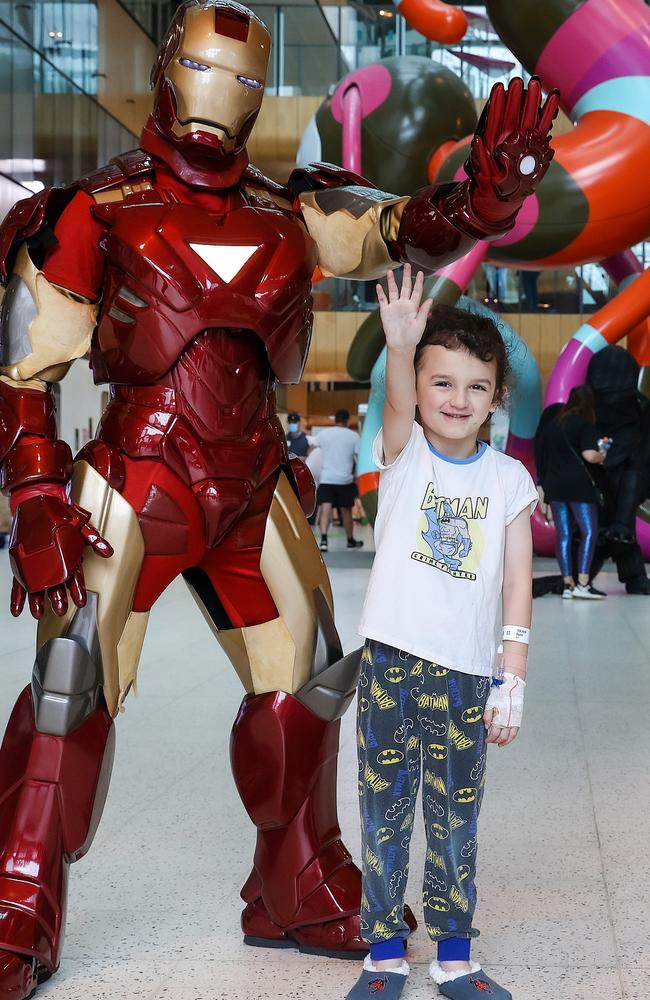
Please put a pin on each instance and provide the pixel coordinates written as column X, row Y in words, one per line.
column 339, row 447
column 298, row 442
column 305, row 447
column 623, row 413
column 567, row 443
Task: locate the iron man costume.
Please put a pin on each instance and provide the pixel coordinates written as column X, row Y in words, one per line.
column 186, row 275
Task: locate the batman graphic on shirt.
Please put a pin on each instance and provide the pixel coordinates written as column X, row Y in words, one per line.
column 452, row 533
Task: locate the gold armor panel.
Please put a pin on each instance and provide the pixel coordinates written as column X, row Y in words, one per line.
column 279, row 655
column 350, row 226
column 209, row 73
column 120, row 630
column 44, row 328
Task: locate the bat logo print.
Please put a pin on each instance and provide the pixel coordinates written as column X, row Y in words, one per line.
column 396, row 881
column 464, row 795
column 475, row 773
column 402, row 731
column 398, row 808
column 435, row 883
column 468, row 848
column 482, row 687
column 417, row 687
column 433, row 727
column 434, row 808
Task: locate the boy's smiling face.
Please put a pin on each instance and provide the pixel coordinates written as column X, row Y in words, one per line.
column 455, row 396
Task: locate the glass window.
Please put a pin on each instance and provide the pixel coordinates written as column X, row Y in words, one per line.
column 51, row 131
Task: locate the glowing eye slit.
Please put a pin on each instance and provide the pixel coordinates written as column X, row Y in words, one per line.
column 190, row 64
column 250, row 82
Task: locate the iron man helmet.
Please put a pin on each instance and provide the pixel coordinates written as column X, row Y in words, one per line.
column 209, row 75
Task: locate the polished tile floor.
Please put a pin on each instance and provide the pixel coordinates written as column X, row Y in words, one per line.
column 564, row 904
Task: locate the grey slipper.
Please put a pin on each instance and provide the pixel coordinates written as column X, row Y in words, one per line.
column 472, row 986
column 375, row 985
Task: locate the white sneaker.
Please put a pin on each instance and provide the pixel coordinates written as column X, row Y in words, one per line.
column 567, row 593
column 587, row 592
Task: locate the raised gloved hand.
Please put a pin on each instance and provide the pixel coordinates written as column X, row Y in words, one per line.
column 48, row 536
column 510, row 151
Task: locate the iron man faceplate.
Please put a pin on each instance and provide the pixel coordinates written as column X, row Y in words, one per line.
column 208, row 83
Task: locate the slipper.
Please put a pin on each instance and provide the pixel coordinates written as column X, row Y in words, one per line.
column 467, row 985
column 386, row 985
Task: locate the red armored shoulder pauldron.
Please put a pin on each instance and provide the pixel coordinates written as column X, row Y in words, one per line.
column 27, row 219
column 119, row 170
column 33, row 219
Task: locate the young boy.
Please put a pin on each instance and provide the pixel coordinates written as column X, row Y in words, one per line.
column 453, row 536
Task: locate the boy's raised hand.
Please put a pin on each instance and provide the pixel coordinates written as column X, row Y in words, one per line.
column 403, row 314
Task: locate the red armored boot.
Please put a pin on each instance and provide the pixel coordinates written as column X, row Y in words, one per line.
column 304, row 890
column 52, row 790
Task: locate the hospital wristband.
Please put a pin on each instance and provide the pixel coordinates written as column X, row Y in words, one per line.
column 516, row 633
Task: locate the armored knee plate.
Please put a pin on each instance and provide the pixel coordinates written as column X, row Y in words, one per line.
column 67, row 676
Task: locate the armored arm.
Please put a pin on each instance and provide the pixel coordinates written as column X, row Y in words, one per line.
column 43, row 329
column 361, row 231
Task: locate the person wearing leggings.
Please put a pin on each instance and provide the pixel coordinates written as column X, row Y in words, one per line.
column 567, row 446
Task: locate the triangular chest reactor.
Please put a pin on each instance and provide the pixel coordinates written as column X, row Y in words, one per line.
column 225, row 261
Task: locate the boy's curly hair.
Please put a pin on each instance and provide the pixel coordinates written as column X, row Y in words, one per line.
column 458, row 329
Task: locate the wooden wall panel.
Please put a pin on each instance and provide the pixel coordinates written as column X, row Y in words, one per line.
column 126, row 56
column 273, row 145
column 333, row 336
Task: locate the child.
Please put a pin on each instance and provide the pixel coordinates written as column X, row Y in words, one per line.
column 453, row 535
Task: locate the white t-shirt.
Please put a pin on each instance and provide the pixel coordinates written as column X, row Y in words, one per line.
column 437, row 577
column 339, row 451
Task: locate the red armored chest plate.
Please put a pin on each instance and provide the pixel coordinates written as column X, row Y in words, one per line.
column 175, row 270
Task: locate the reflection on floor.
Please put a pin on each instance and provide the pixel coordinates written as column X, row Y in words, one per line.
column 563, row 902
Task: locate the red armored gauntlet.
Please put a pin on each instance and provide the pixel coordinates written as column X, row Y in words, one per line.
column 48, row 533
column 509, row 155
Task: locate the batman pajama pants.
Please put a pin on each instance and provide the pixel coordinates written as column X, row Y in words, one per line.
column 419, row 722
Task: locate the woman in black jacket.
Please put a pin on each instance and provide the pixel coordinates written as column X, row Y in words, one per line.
column 567, row 443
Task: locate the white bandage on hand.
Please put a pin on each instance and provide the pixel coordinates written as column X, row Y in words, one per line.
column 508, row 700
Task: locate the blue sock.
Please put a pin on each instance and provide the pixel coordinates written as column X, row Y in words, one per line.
column 454, row 949
column 383, row 950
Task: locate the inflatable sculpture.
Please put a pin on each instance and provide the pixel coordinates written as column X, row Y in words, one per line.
column 594, row 203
